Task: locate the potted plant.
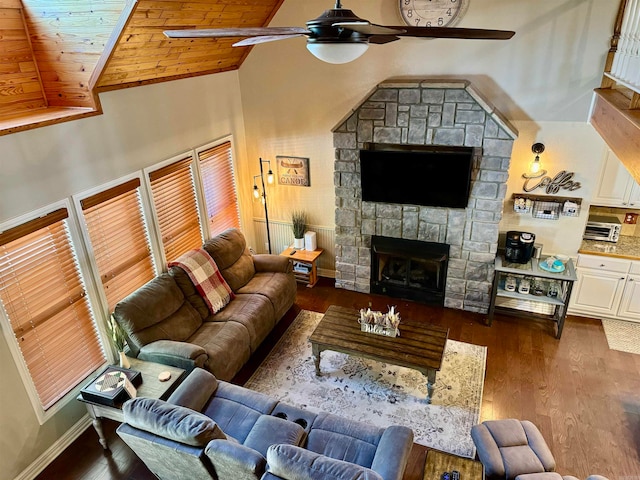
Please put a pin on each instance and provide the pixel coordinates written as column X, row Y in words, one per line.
column 299, row 226
column 119, row 340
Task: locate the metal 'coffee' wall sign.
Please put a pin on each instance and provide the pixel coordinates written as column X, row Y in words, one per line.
column 551, row 185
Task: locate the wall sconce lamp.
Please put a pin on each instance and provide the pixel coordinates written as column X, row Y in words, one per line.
column 263, row 195
column 535, row 166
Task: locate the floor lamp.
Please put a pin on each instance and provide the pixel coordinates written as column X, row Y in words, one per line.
column 257, row 194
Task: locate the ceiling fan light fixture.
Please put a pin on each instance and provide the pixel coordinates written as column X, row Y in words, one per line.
column 337, row 52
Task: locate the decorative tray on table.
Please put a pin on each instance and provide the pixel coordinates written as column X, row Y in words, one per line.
column 552, row 265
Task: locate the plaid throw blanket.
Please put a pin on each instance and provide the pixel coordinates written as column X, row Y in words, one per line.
column 206, row 277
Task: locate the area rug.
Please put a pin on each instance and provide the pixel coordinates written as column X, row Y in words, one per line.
column 378, row 393
column 622, row 336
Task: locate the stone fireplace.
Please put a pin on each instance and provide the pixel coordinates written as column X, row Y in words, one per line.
column 409, row 268
column 429, row 112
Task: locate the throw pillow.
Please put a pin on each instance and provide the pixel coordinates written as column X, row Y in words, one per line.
column 171, row 421
column 206, row 277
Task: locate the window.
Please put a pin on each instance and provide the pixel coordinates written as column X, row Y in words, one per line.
column 45, row 301
column 121, row 249
column 176, row 209
column 219, row 189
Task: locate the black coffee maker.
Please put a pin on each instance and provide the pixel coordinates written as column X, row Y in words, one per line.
column 519, row 246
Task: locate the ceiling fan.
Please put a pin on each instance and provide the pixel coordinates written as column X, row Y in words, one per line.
column 339, row 35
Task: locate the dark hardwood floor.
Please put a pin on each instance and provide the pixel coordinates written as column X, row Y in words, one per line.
column 584, row 397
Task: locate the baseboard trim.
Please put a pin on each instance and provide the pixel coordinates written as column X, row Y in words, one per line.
column 323, row 272
column 43, row 461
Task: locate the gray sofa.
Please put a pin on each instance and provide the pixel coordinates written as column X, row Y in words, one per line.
column 167, row 321
column 210, row 429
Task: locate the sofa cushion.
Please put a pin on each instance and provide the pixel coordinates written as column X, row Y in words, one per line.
column 195, row 392
column 293, row 463
column 254, row 312
column 338, row 437
column 229, row 251
column 145, row 318
column 279, row 288
column 227, row 344
column 206, row 277
column 270, row 430
column 171, row 421
column 189, row 291
column 237, row 409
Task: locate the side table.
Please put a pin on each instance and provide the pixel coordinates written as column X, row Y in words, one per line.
column 528, row 305
column 439, row 462
column 151, row 387
column 304, row 264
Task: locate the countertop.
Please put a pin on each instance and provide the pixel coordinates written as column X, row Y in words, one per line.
column 627, row 247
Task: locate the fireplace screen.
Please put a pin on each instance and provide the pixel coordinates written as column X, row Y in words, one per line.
column 409, row 269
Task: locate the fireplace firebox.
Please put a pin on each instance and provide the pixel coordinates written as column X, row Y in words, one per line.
column 409, row 269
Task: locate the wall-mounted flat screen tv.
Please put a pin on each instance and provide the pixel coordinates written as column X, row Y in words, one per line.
column 414, row 175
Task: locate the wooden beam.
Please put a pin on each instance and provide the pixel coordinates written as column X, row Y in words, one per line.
column 619, row 125
column 114, row 39
column 42, row 117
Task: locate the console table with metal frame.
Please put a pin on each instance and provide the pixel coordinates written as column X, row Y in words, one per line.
column 527, row 304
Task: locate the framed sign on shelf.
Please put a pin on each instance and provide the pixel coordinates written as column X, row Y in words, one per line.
column 293, row 171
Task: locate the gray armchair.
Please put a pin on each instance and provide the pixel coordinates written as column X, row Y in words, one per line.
column 512, row 449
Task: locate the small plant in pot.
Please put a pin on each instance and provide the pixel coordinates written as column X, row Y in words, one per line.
column 299, row 226
column 119, row 340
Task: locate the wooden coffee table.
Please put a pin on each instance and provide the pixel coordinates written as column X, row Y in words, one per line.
column 439, row 462
column 419, row 347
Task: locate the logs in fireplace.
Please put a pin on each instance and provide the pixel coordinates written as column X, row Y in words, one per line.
column 409, row 269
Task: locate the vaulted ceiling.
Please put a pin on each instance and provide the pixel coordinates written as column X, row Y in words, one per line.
column 57, row 55
column 142, row 54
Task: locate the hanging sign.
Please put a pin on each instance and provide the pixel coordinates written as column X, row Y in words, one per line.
column 551, row 185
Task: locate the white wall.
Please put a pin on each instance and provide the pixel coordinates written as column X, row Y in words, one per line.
column 140, row 127
column 541, row 80
column 569, row 146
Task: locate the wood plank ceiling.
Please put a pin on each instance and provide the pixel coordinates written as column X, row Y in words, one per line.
column 142, row 54
column 57, row 55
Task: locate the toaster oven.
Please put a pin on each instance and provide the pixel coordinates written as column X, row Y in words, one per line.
column 603, row 228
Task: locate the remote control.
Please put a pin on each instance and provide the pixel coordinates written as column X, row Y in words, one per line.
column 293, row 252
column 455, row 475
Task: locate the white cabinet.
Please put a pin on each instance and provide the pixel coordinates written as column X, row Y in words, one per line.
column 607, row 287
column 616, row 188
column 597, row 291
column 630, row 302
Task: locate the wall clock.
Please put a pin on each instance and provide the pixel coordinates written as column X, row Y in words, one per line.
column 432, row 13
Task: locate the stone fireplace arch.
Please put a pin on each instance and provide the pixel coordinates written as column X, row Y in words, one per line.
column 426, row 112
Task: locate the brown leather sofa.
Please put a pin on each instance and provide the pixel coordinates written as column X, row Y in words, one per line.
column 167, row 321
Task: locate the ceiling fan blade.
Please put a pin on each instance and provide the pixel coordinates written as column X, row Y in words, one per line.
column 236, row 32
column 367, row 28
column 382, row 39
column 453, row 32
column 263, row 39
